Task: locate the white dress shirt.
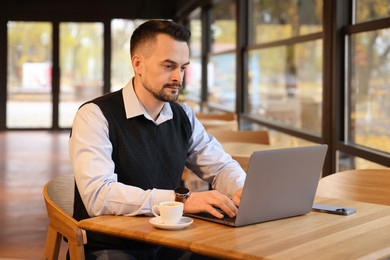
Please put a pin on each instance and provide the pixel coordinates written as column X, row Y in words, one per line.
column 90, row 152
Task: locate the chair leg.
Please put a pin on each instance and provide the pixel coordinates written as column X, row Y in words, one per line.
column 53, row 243
column 76, row 251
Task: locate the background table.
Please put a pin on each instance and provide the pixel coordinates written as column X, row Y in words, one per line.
column 365, row 235
column 244, row 149
column 241, row 152
column 219, row 124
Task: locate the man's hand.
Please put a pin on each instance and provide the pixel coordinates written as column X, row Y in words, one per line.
column 237, row 197
column 207, row 201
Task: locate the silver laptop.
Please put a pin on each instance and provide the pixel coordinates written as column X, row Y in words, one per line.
column 281, row 183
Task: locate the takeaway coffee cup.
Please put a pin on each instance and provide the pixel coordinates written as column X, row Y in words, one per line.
column 169, row 211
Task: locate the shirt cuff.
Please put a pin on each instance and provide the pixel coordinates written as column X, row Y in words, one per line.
column 162, row 195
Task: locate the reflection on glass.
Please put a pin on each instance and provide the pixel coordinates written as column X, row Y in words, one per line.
column 193, row 74
column 222, row 80
column 29, row 82
column 370, row 90
column 281, row 19
column 349, row 162
column 196, row 36
column 368, row 10
column 193, row 79
column 121, row 69
column 277, row 139
column 285, row 84
column 223, row 26
column 81, row 64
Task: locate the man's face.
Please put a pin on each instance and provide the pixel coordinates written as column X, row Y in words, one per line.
column 162, row 67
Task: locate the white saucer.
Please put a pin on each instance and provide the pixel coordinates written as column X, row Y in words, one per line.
column 183, row 223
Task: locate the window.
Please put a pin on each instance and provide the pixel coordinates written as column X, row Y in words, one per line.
column 43, row 95
column 121, row 69
column 193, row 76
column 285, row 84
column 222, row 80
column 81, row 64
column 285, row 67
column 281, row 19
column 369, row 10
column 367, row 86
column 29, row 82
column 370, row 89
column 221, row 66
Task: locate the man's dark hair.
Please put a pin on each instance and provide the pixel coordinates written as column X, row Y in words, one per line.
column 150, row 29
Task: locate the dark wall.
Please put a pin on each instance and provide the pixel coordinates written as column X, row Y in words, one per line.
column 89, row 9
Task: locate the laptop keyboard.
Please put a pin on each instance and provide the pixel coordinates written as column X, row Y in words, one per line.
column 206, row 215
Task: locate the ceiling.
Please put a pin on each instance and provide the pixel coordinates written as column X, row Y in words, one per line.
column 88, row 9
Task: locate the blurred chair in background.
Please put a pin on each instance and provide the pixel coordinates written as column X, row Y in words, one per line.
column 224, row 116
column 225, row 121
column 233, row 143
column 256, row 137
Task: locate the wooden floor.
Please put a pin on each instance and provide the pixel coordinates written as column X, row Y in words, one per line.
column 27, row 161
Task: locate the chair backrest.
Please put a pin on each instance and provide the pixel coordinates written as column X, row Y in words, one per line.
column 243, row 161
column 59, row 195
column 223, row 116
column 226, row 121
column 257, row 137
column 370, row 185
column 61, row 192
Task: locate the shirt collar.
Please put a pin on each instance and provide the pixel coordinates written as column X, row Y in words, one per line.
column 134, row 107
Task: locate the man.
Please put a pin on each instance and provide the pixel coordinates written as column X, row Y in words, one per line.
column 128, row 148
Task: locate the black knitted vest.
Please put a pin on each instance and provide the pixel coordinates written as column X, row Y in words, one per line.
column 145, row 155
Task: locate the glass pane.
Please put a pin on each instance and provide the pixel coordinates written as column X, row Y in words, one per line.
column 222, row 80
column 81, row 63
column 223, row 27
column 196, row 35
column 29, row 83
column 281, row 19
column 121, row 69
column 193, row 80
column 277, row 139
column 285, row 84
column 368, row 10
column 193, row 76
column 370, row 90
column 349, row 162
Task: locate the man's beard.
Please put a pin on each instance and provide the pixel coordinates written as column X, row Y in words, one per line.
column 162, row 95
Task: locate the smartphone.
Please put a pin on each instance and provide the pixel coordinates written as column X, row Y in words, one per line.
column 333, row 209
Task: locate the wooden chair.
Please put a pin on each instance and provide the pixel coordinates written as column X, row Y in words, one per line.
column 257, row 137
column 210, row 121
column 243, row 161
column 224, row 116
column 225, row 121
column 370, row 185
column 59, row 195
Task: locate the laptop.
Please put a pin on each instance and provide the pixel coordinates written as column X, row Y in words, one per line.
column 280, row 183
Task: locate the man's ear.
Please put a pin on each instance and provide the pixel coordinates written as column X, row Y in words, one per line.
column 136, row 61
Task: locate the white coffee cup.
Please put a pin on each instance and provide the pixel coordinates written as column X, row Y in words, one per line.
column 170, row 212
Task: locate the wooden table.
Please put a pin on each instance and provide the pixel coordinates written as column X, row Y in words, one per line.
column 244, row 149
column 364, row 235
column 239, row 151
column 367, row 185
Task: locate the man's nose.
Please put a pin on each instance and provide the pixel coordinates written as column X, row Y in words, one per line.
column 177, row 75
